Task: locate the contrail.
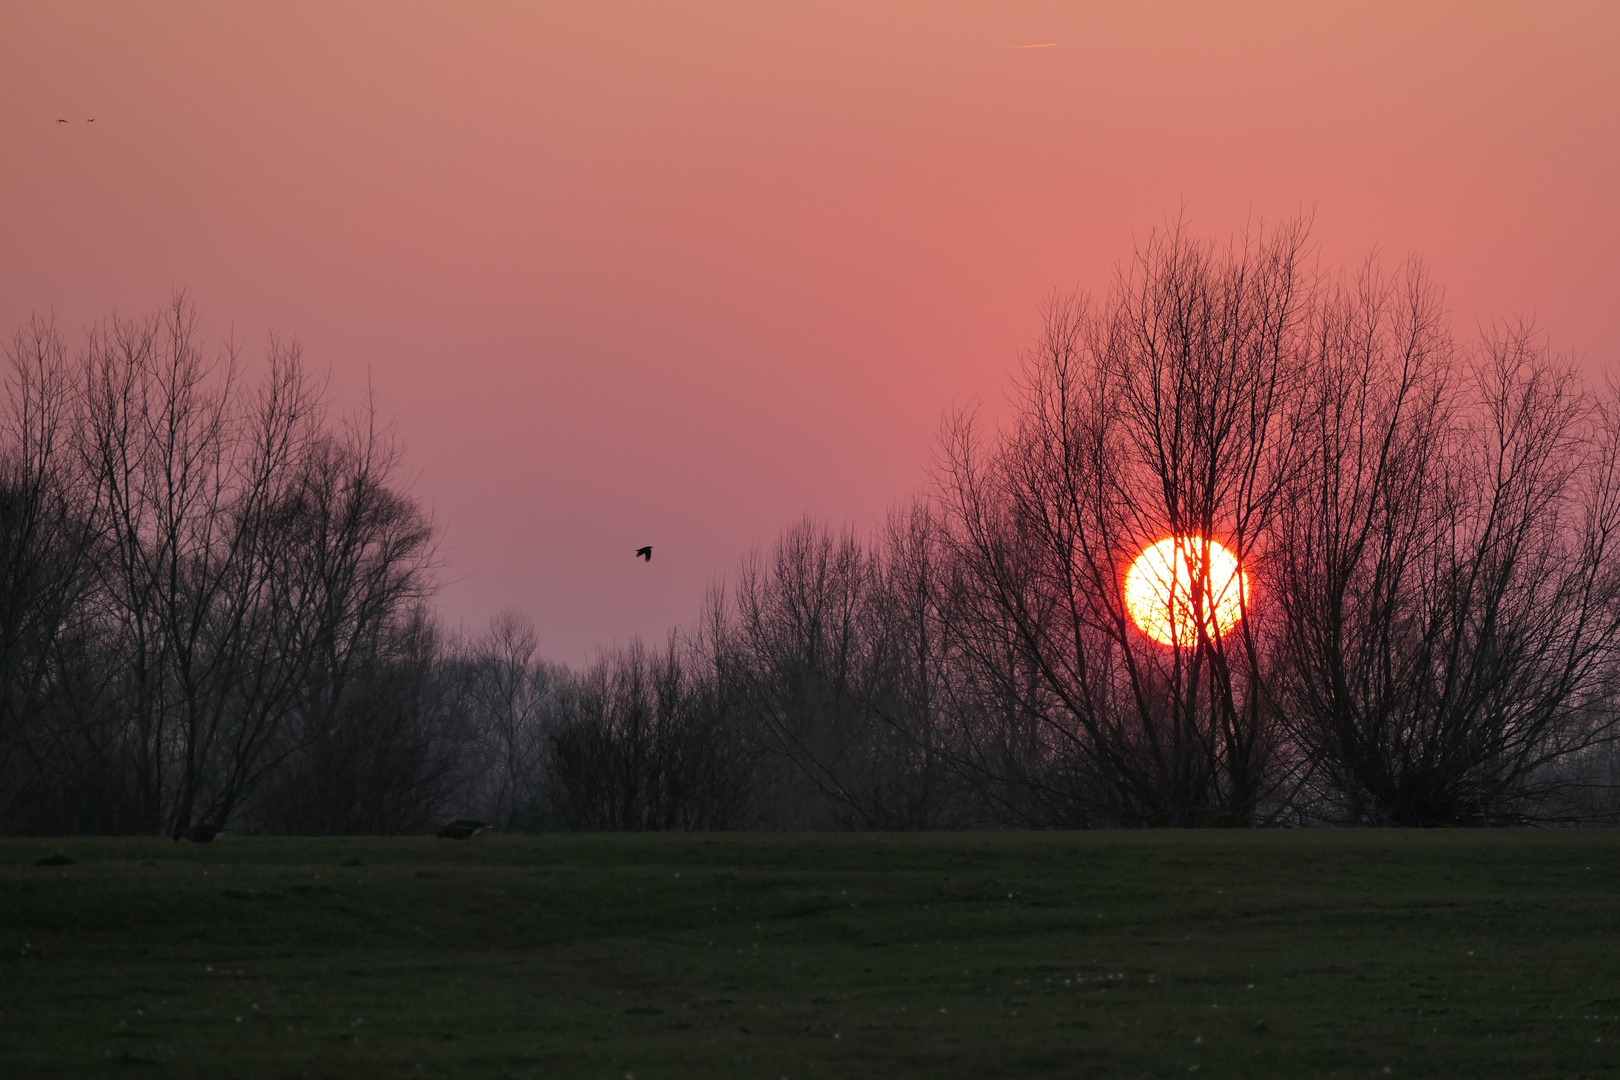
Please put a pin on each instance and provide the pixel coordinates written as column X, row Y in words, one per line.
column 1042, row 45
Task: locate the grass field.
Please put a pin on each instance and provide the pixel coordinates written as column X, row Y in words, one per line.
column 1251, row 954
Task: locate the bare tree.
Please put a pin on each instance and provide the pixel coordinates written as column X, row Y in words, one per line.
column 790, row 644
column 351, row 561
column 648, row 743
column 519, row 699
column 46, row 549
column 1431, row 533
column 905, row 640
column 397, row 756
column 198, row 568
column 189, row 471
column 1169, row 411
column 1448, row 566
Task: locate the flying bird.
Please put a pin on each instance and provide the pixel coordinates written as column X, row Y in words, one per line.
column 198, row 834
column 644, row 553
column 61, row 121
column 462, row 829
column 91, row 120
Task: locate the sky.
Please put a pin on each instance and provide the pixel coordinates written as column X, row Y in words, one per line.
column 681, row 274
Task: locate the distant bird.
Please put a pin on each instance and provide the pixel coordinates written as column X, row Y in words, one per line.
column 198, row 834
column 462, row 829
column 91, row 120
column 644, row 553
column 61, row 121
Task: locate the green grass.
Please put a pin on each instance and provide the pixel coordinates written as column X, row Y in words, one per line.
column 1245, row 954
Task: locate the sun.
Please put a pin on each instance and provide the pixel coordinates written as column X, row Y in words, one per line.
column 1160, row 596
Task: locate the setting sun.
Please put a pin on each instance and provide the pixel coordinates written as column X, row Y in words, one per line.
column 1160, row 596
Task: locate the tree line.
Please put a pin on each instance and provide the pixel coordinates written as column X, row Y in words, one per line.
column 214, row 596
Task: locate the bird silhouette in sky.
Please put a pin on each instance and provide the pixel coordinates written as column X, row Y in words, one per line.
column 91, row 120
column 645, row 553
column 61, row 121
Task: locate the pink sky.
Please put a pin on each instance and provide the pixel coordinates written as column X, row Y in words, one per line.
column 677, row 274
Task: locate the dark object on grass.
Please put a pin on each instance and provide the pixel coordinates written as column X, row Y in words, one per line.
column 58, row 859
column 198, row 834
column 462, row 829
column 645, row 553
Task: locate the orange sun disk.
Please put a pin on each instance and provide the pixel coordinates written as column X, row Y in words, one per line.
column 1160, row 597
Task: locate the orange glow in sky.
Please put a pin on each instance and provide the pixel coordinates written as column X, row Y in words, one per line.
column 1170, row 589
column 629, row 273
